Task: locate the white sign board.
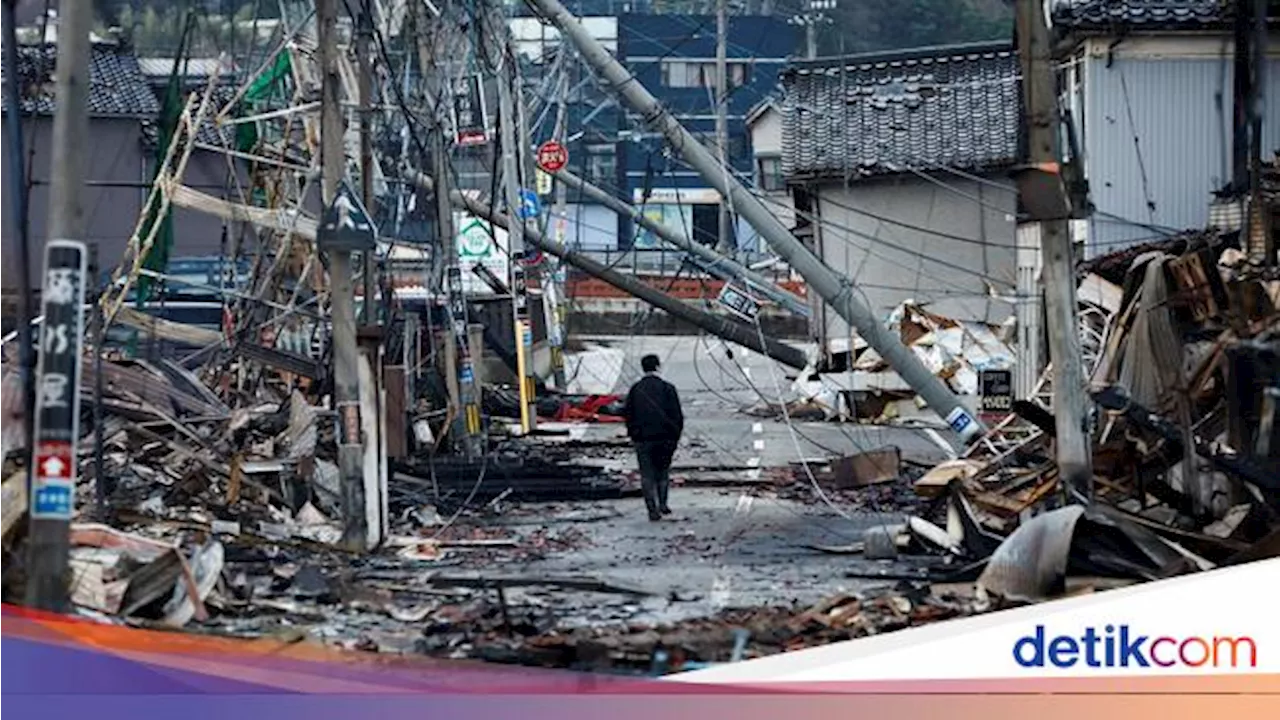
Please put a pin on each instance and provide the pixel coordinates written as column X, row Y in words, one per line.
column 476, row 245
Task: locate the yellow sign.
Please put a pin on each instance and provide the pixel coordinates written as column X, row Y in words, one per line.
column 544, row 182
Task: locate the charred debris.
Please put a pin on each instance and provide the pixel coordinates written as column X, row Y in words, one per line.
column 215, row 508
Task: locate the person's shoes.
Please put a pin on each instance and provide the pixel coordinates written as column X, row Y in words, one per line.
column 666, row 511
column 654, row 517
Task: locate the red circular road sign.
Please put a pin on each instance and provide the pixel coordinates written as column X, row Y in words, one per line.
column 552, row 156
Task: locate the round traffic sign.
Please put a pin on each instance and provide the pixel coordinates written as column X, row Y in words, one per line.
column 552, row 156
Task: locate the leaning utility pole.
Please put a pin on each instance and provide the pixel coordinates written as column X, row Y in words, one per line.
column 725, row 244
column 508, row 127
column 1043, row 194
column 837, row 290
column 346, row 363
column 52, row 470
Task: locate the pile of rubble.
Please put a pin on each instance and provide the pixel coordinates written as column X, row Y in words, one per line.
column 1186, row 443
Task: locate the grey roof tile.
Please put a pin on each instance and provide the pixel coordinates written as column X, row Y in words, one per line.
column 116, row 85
column 1086, row 15
column 867, row 115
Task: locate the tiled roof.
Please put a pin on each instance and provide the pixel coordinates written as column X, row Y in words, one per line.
column 1098, row 15
column 117, row 86
column 161, row 67
column 865, row 115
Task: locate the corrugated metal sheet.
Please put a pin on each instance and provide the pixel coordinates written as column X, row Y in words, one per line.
column 890, row 264
column 1158, row 142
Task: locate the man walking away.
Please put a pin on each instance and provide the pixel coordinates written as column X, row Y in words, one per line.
column 654, row 423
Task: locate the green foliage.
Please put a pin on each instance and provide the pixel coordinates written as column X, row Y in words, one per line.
column 871, row 25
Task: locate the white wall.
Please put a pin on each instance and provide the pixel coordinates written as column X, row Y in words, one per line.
column 889, row 264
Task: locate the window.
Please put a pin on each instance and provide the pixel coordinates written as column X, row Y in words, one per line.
column 601, row 165
column 701, row 73
column 769, row 173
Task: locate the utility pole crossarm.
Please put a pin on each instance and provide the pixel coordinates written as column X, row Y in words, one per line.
column 835, row 289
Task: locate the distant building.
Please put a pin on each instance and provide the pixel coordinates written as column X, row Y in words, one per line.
column 902, row 157
column 123, row 111
column 764, row 127
column 1149, row 85
column 674, row 57
column 116, row 162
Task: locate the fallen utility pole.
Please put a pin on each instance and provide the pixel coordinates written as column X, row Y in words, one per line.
column 52, row 470
column 346, row 363
column 714, row 262
column 1044, row 196
column 720, row 326
column 837, row 290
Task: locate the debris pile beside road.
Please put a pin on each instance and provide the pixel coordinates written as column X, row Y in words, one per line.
column 1186, row 444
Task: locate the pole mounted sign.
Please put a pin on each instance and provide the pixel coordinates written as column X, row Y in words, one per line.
column 346, row 225
column 552, row 156
column 57, row 421
column 739, row 303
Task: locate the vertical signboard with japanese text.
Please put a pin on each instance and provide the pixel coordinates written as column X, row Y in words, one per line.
column 57, row 409
column 470, row 121
column 996, row 394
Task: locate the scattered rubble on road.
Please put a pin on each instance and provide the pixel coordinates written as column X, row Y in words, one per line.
column 222, row 514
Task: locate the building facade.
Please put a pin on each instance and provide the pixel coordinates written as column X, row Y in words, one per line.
column 1149, row 85
column 899, row 164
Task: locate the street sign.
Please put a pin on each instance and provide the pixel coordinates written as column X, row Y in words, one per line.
column 530, row 206
column 996, row 393
column 544, row 185
column 57, row 421
column 470, row 121
column 739, row 303
column 480, row 242
column 345, row 225
column 552, row 156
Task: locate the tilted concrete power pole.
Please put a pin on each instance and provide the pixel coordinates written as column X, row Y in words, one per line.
column 835, row 289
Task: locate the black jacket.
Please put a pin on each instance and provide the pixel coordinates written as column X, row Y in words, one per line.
column 653, row 410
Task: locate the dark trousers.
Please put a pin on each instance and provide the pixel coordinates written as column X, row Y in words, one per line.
column 654, row 457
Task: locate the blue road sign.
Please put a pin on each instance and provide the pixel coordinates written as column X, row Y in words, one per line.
column 530, row 206
column 52, row 501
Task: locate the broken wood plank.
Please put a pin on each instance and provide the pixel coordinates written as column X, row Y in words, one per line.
column 168, row 329
column 867, row 468
column 935, row 482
